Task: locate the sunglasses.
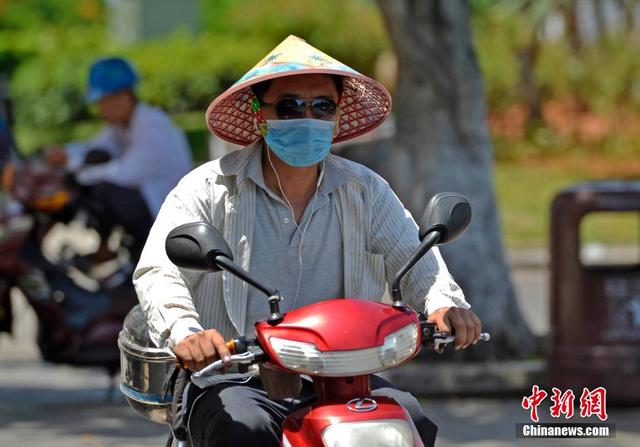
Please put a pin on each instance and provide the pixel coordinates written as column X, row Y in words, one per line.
column 295, row 108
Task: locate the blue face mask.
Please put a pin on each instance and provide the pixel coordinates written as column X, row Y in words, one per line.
column 300, row 142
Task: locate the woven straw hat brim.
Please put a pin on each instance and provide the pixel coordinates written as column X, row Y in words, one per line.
column 364, row 105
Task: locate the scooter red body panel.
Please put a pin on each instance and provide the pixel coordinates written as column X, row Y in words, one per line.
column 337, row 325
column 304, row 428
column 340, row 325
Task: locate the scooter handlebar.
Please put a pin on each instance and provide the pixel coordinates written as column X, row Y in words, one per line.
column 438, row 340
column 244, row 358
column 244, row 351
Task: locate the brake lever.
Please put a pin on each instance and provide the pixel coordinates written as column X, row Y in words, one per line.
column 442, row 339
column 437, row 340
column 201, row 378
column 244, row 358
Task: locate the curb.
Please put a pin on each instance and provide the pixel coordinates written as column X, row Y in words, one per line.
column 528, row 258
column 495, row 378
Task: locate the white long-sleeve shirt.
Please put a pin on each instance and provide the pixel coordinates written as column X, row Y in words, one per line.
column 151, row 155
column 378, row 236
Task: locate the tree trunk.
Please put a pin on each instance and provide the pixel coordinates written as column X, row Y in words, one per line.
column 628, row 11
column 600, row 20
column 569, row 11
column 442, row 144
column 528, row 58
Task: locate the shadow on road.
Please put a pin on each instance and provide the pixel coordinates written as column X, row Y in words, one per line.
column 54, row 405
column 72, row 412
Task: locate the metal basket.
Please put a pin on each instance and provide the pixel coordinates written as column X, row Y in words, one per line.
column 143, row 369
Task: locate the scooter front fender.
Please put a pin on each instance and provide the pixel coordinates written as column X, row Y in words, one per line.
column 304, row 427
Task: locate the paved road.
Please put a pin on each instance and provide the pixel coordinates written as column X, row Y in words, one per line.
column 55, row 406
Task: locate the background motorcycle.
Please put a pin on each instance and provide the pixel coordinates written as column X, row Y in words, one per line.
column 79, row 314
column 338, row 342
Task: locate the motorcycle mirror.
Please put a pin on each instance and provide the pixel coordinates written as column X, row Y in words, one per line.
column 199, row 246
column 195, row 246
column 447, row 212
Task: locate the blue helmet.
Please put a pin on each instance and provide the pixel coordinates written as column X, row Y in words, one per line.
column 110, row 75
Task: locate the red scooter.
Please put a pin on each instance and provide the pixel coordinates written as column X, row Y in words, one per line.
column 338, row 342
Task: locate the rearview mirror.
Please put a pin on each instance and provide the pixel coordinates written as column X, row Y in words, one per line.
column 195, row 245
column 447, row 212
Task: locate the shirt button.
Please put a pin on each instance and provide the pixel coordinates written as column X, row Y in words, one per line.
column 285, row 220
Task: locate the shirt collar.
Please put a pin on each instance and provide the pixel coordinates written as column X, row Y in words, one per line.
column 333, row 177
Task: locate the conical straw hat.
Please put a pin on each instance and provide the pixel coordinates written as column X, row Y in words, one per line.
column 364, row 103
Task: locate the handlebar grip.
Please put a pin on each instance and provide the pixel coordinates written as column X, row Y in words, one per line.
column 246, row 357
column 235, row 346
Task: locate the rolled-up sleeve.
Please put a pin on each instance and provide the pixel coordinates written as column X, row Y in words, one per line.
column 394, row 234
column 164, row 290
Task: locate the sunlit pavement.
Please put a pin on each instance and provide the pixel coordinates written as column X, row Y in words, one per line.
column 48, row 405
column 53, row 405
column 491, row 423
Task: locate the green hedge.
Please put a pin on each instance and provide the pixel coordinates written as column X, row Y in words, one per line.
column 48, row 45
column 603, row 75
column 180, row 72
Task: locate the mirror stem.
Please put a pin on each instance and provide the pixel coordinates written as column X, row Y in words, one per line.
column 274, row 295
column 274, row 307
column 428, row 242
column 228, row 265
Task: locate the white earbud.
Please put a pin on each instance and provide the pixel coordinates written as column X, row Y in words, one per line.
column 293, row 215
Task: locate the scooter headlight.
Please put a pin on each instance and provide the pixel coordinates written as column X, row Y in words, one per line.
column 307, row 358
column 377, row 433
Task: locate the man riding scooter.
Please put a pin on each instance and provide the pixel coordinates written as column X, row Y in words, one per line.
column 294, row 215
column 129, row 167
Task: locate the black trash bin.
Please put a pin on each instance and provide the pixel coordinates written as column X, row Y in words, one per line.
column 595, row 308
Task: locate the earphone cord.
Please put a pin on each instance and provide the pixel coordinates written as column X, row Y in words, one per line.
column 293, row 215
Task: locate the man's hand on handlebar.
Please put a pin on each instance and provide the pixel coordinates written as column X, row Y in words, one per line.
column 200, row 349
column 465, row 324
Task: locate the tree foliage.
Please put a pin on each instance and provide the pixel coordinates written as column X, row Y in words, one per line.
column 47, row 47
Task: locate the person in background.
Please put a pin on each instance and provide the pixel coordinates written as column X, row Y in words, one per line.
column 131, row 165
